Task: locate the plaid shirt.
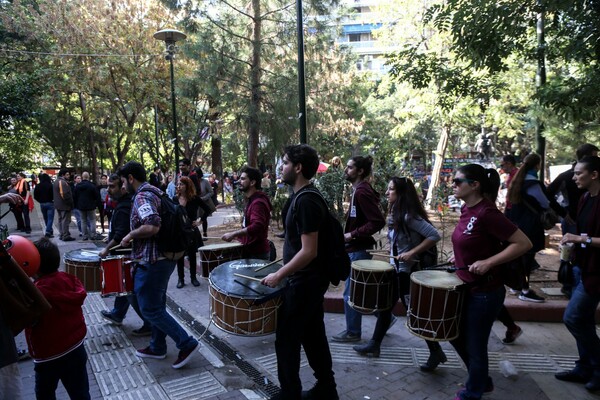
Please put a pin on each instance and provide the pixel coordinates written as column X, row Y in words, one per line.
column 145, row 211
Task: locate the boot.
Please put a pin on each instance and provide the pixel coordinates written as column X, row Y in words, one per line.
column 436, row 356
column 369, row 349
column 180, row 284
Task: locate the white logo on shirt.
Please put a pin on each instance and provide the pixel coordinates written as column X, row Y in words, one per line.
column 144, row 211
column 470, row 226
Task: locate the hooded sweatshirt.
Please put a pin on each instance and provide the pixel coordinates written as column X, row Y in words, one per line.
column 62, row 329
column 256, row 219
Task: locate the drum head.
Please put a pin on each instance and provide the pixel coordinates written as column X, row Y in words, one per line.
column 372, row 265
column 220, row 246
column 222, row 278
column 437, row 279
column 83, row 255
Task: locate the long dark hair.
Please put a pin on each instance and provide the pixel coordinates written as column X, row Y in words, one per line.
column 488, row 178
column 407, row 203
column 514, row 190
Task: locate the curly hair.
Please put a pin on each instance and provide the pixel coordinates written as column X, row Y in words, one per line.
column 190, row 189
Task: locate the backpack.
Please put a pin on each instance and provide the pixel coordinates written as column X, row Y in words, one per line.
column 426, row 258
column 176, row 233
column 332, row 246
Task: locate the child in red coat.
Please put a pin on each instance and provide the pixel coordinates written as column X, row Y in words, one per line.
column 56, row 340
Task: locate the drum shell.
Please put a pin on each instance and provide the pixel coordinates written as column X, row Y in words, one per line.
column 211, row 256
column 371, row 286
column 116, row 277
column 87, row 269
column 434, row 311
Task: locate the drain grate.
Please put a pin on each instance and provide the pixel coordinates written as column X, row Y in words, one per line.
column 264, row 384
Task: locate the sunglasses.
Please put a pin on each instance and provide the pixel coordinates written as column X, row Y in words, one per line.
column 458, row 181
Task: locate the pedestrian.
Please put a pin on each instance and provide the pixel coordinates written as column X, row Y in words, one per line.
column 300, row 317
column 87, row 199
column 63, row 203
column 156, row 177
column 22, row 188
column 410, row 233
column 483, row 240
column 44, row 194
column 579, row 317
column 257, row 217
column 56, row 340
column 528, row 200
column 206, row 194
column 118, row 227
column 186, row 197
column 16, row 208
column 103, row 210
column 76, row 212
column 363, row 219
column 152, row 272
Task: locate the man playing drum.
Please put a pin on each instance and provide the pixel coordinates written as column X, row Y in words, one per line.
column 300, row 320
column 257, row 216
column 153, row 270
column 364, row 219
column 118, row 227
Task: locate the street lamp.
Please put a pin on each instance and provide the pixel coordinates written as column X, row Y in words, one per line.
column 170, row 37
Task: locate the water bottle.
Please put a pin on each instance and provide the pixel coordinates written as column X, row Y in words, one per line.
column 508, row 369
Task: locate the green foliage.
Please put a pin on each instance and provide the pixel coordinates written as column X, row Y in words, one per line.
column 333, row 186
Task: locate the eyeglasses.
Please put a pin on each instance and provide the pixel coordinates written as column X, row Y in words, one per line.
column 458, row 181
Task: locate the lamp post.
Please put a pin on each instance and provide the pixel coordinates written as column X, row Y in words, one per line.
column 170, row 37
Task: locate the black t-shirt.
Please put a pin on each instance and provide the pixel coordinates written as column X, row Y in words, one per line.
column 306, row 216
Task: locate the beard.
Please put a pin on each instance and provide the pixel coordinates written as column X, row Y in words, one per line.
column 130, row 188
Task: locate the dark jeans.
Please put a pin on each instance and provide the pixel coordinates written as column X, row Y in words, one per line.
column 48, row 214
column 478, row 315
column 191, row 253
column 300, row 323
column 18, row 213
column 70, row 369
column 121, row 306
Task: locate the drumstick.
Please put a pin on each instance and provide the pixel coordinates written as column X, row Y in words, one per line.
column 113, row 248
column 128, row 249
column 247, row 277
column 247, row 287
column 267, row 265
column 378, row 252
column 211, row 237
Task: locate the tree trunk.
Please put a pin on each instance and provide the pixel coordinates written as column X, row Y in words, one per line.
column 90, row 135
column 255, row 82
column 440, row 154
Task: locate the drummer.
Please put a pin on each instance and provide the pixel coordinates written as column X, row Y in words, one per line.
column 118, row 227
column 477, row 242
column 257, row 217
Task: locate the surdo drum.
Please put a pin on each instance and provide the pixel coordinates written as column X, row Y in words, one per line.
column 233, row 298
column 371, row 286
column 85, row 265
column 116, row 276
column 435, row 305
column 213, row 255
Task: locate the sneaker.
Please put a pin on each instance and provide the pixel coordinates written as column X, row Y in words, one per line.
column 85, row 238
column 49, row 235
column 68, row 239
column 143, row 331
column 107, row 315
column 512, row 334
column 345, row 337
column 513, row 291
column 23, row 354
column 185, row 356
column 148, row 353
column 531, row 296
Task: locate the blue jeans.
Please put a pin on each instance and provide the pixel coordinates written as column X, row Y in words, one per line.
column 478, row 315
column 353, row 317
column 70, row 369
column 48, row 214
column 121, row 306
column 150, row 287
column 579, row 319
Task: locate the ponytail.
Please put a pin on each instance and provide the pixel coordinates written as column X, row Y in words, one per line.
column 489, row 180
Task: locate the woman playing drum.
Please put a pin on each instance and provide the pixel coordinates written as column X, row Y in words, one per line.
column 478, row 245
column 410, row 233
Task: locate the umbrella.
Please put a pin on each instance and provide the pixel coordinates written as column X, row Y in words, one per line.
column 322, row 167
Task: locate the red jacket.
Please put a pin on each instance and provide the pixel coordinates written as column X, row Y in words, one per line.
column 256, row 219
column 368, row 219
column 61, row 329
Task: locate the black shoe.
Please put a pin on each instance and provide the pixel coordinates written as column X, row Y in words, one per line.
column 143, row 331
column 107, row 315
column 68, row 239
column 320, row 392
column 593, row 385
column 195, row 282
column 49, row 235
column 180, row 284
column 571, row 376
column 435, row 358
column 369, row 349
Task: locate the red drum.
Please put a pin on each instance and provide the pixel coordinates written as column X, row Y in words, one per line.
column 435, row 305
column 233, row 299
column 116, row 276
column 85, row 265
column 212, row 255
column 371, row 286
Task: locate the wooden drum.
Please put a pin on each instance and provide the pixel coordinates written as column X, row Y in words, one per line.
column 435, row 305
column 213, row 255
column 85, row 265
column 371, row 286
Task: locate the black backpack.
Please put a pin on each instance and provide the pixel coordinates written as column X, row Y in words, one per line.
column 332, row 246
column 176, row 233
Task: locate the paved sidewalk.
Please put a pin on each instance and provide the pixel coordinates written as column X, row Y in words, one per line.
column 243, row 367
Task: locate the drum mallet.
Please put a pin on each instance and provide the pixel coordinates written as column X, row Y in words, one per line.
column 440, row 266
column 248, row 287
column 267, row 265
column 115, row 247
column 248, row 277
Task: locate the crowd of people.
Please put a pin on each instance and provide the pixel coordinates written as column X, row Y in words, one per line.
column 483, row 241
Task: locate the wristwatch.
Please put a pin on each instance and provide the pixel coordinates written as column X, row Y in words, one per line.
column 588, row 240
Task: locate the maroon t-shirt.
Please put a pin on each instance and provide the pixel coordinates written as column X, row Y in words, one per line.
column 478, row 236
